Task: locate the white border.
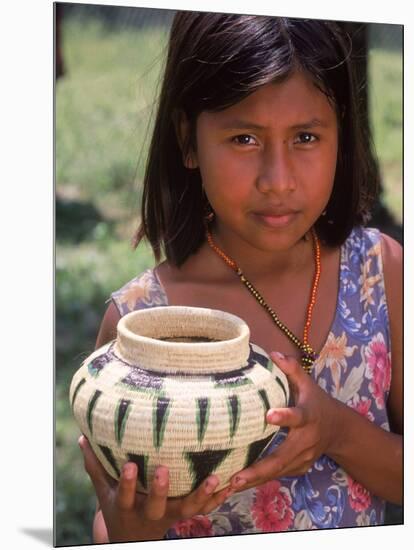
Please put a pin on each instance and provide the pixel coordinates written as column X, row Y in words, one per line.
column 27, row 271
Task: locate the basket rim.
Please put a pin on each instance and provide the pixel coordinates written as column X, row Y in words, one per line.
column 226, row 353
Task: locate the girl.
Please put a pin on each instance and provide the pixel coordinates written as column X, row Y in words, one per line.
column 258, row 184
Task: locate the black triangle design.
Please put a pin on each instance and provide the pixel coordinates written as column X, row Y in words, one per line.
column 120, row 420
column 234, row 412
column 279, row 381
column 202, row 416
column 141, row 461
column 110, row 458
column 204, row 463
column 161, row 415
column 256, row 357
column 255, row 449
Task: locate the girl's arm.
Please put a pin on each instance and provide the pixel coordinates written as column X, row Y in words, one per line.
column 320, row 424
column 380, row 465
column 383, row 451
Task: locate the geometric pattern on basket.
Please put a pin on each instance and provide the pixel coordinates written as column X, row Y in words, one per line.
column 233, row 404
column 110, row 458
column 203, row 463
column 202, row 416
column 234, row 378
column 121, row 414
column 255, row 449
column 98, row 363
column 160, row 416
column 143, row 380
column 78, row 387
column 162, row 394
column 256, row 357
column 266, row 404
column 279, row 381
column 91, row 406
column 142, row 462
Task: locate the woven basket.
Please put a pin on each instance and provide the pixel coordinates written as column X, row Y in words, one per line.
column 181, row 387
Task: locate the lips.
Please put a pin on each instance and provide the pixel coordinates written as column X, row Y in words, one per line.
column 275, row 217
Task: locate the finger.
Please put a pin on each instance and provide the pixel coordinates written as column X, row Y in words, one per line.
column 217, row 499
column 127, row 487
column 289, row 417
column 290, row 367
column 156, row 502
column 95, row 470
column 260, row 472
column 194, row 502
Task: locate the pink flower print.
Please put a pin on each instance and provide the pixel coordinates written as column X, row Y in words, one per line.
column 272, row 510
column 362, row 405
column 359, row 497
column 197, row 526
column 378, row 369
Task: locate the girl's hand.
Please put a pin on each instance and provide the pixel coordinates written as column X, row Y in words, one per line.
column 130, row 516
column 312, row 423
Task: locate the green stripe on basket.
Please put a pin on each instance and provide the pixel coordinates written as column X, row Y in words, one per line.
column 159, row 419
column 266, row 405
column 121, row 414
column 233, row 405
column 202, row 416
column 75, row 393
column 91, row 406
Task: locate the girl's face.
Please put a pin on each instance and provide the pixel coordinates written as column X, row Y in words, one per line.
column 268, row 162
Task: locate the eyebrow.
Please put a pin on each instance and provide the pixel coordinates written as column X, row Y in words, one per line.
column 239, row 124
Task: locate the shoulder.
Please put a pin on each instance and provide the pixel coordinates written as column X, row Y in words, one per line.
column 140, row 292
column 369, row 242
column 392, row 259
column 107, row 330
column 392, row 255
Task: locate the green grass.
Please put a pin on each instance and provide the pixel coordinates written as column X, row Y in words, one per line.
column 104, row 103
column 386, row 119
column 103, row 109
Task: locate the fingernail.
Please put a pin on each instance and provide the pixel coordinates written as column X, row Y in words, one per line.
column 273, row 416
column 128, row 471
column 81, row 442
column 209, row 486
column 278, row 355
column 161, row 475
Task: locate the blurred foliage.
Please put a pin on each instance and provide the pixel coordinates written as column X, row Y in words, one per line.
column 103, row 120
column 385, row 98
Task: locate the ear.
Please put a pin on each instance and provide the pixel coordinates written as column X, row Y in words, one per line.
column 182, row 130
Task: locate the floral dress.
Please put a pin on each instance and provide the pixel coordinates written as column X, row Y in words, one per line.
column 353, row 366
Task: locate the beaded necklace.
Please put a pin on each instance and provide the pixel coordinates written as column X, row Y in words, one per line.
column 308, row 354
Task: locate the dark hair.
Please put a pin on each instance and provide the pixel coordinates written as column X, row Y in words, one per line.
column 214, row 61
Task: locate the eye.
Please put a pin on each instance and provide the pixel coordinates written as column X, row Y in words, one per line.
column 244, row 139
column 305, row 137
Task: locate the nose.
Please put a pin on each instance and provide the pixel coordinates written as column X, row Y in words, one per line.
column 276, row 174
